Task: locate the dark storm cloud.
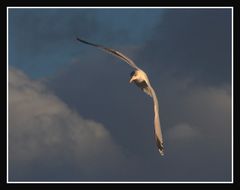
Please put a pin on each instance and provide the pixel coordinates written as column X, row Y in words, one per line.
column 194, row 99
column 189, row 61
column 38, row 37
column 192, row 43
column 45, row 34
column 39, row 29
column 190, row 118
column 180, row 61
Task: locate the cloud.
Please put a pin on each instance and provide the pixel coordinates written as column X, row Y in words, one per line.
column 49, row 25
column 47, row 137
column 193, row 86
column 192, row 43
column 195, row 120
column 210, row 108
column 182, row 132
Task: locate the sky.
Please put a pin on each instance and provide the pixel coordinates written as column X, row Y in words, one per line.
column 73, row 116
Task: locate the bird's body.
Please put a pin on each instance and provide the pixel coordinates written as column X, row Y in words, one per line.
column 140, row 78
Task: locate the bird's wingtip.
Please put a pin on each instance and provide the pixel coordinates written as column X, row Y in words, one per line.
column 80, row 39
column 159, row 145
column 77, row 38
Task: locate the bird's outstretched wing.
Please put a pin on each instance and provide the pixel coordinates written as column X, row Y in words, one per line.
column 157, row 127
column 113, row 52
column 144, row 86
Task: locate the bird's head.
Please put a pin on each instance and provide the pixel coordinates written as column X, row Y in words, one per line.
column 133, row 76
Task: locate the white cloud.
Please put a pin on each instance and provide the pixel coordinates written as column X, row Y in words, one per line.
column 182, row 131
column 210, row 108
column 203, row 111
column 44, row 130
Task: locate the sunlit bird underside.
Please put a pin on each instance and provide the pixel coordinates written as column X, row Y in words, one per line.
column 140, row 78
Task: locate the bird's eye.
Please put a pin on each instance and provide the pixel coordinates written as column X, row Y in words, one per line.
column 132, row 73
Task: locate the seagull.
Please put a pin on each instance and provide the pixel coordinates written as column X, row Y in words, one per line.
column 140, row 78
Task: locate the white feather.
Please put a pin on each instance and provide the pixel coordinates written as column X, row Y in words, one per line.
column 141, row 80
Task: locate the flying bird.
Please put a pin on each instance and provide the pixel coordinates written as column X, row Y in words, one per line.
column 140, row 78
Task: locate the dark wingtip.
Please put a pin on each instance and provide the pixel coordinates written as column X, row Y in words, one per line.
column 77, row 38
column 81, row 40
column 85, row 42
column 160, row 149
column 161, row 152
column 159, row 145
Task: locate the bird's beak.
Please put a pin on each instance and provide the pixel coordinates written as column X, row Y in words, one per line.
column 132, row 79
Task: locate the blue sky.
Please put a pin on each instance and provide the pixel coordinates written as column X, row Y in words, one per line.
column 73, row 116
